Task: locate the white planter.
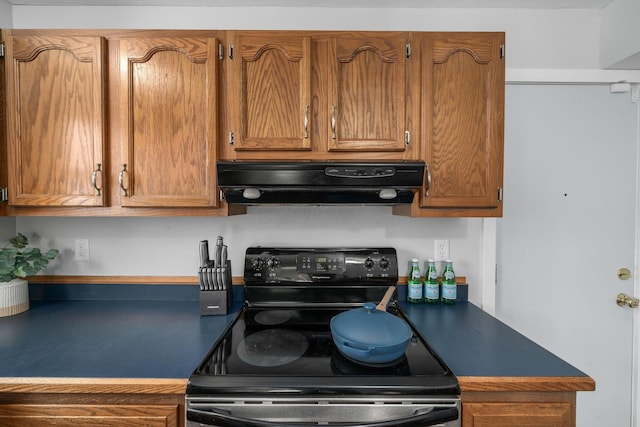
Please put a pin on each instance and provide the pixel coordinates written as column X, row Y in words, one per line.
column 14, row 297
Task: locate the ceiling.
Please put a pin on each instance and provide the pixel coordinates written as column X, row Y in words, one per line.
column 521, row 4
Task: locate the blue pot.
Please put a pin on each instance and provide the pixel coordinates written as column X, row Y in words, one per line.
column 370, row 336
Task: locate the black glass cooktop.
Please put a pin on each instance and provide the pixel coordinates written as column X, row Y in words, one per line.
column 292, row 351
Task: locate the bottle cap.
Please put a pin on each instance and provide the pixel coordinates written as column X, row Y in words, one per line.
column 414, row 260
column 431, row 260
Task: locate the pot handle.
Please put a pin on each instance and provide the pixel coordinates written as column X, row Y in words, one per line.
column 382, row 305
column 365, row 352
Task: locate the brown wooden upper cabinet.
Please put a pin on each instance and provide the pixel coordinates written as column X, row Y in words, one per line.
column 462, row 134
column 368, row 93
column 150, row 134
column 270, row 91
column 319, row 96
column 168, row 122
column 161, row 99
column 56, row 120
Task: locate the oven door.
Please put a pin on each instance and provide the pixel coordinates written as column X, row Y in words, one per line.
column 270, row 411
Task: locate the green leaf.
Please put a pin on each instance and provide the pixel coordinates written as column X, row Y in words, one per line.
column 31, row 254
column 51, row 254
column 18, row 260
column 20, row 241
column 19, row 272
column 8, row 254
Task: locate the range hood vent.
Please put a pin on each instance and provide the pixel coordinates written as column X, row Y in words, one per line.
column 320, row 183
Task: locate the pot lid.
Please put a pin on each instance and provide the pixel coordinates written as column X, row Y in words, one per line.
column 369, row 326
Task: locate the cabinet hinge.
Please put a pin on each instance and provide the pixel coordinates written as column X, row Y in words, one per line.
column 407, row 137
column 1, row 50
column 408, row 50
column 232, row 138
column 502, row 52
column 499, row 194
column 230, row 51
column 221, row 51
column 4, row 195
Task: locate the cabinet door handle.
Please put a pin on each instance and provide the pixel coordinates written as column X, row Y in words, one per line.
column 94, row 179
column 333, row 122
column 428, row 172
column 306, row 121
column 121, row 180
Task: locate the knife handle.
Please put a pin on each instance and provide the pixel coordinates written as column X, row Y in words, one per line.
column 204, row 253
column 218, row 251
column 223, row 256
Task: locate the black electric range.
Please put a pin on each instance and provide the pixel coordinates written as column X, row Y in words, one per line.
column 280, row 349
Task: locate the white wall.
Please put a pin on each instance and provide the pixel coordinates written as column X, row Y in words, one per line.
column 620, row 39
column 7, row 229
column 535, row 38
column 5, row 15
column 169, row 246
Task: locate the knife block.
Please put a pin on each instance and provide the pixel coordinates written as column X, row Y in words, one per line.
column 216, row 302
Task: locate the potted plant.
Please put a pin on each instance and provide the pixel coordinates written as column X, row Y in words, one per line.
column 17, row 261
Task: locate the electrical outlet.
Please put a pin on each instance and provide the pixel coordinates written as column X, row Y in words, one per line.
column 82, row 249
column 441, row 250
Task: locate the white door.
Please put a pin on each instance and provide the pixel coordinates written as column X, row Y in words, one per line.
column 568, row 226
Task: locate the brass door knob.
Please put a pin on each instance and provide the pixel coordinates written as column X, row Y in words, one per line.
column 624, row 299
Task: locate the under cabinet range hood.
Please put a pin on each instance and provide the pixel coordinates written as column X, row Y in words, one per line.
column 320, row 183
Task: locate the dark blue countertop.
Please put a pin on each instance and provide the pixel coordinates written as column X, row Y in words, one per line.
column 105, row 339
column 474, row 343
column 140, row 335
column 81, row 331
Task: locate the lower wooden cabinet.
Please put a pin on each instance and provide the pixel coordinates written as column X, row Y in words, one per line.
column 58, row 405
column 516, row 414
column 90, row 415
column 509, row 409
column 163, row 406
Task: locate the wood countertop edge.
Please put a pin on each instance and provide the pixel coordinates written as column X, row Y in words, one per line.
column 151, row 280
column 179, row 385
column 550, row 384
column 94, row 385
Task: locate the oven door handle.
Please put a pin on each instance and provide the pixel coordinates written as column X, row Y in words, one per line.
column 432, row 418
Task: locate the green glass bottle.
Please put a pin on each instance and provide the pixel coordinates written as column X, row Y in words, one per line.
column 414, row 283
column 449, row 290
column 431, row 285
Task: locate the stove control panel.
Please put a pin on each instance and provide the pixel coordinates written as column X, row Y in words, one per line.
column 317, row 265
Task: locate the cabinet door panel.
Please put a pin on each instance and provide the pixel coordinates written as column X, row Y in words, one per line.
column 55, row 97
column 368, row 106
column 271, row 87
column 517, row 414
column 168, row 108
column 89, row 415
column 463, row 104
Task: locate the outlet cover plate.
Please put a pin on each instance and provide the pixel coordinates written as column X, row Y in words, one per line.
column 82, row 250
column 441, row 250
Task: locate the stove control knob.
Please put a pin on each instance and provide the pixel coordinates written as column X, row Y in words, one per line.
column 384, row 263
column 368, row 263
column 256, row 263
column 273, row 262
